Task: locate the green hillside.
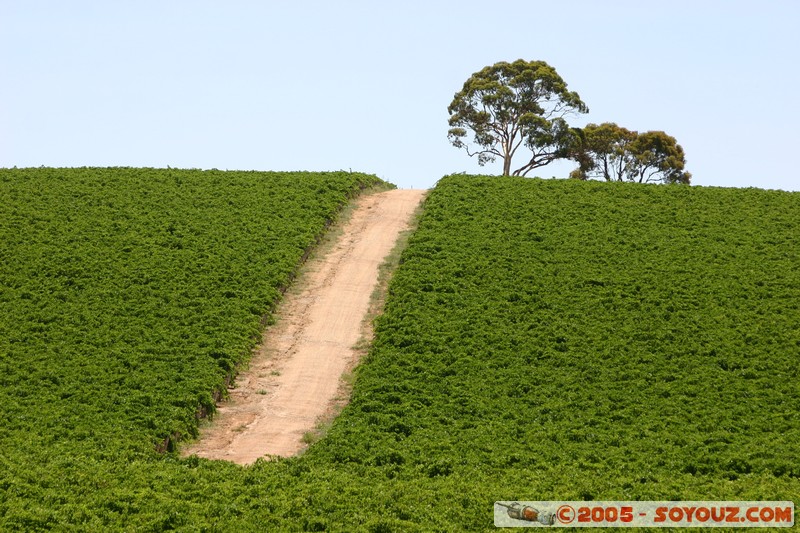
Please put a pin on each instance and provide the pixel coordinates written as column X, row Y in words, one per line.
column 542, row 339
column 129, row 295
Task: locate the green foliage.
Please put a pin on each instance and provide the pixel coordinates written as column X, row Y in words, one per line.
column 541, row 340
column 659, row 157
column 613, row 153
column 557, row 340
column 130, row 295
column 508, row 105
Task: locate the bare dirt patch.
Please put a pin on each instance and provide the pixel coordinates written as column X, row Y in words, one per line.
column 294, row 378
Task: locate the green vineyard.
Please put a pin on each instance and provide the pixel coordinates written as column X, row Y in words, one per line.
column 541, row 340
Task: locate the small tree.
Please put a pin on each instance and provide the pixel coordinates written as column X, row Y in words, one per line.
column 508, row 105
column 613, row 153
column 659, row 157
column 602, row 152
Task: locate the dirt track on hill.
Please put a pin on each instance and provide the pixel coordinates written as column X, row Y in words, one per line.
column 294, row 377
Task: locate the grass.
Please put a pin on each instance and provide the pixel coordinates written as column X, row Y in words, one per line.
column 540, row 341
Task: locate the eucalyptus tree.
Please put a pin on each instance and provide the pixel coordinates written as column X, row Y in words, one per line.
column 507, row 106
column 612, row 153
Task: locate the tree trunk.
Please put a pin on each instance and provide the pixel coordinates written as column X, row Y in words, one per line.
column 507, row 165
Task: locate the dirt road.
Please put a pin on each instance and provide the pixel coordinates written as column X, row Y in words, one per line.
column 293, row 379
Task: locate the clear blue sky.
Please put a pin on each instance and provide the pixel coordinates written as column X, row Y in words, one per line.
column 365, row 85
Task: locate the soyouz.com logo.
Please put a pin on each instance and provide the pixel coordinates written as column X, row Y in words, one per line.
column 644, row 514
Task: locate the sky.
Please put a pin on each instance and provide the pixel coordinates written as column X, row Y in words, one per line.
column 365, row 85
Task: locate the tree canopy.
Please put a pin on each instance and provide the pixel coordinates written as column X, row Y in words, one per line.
column 508, row 105
column 613, row 153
